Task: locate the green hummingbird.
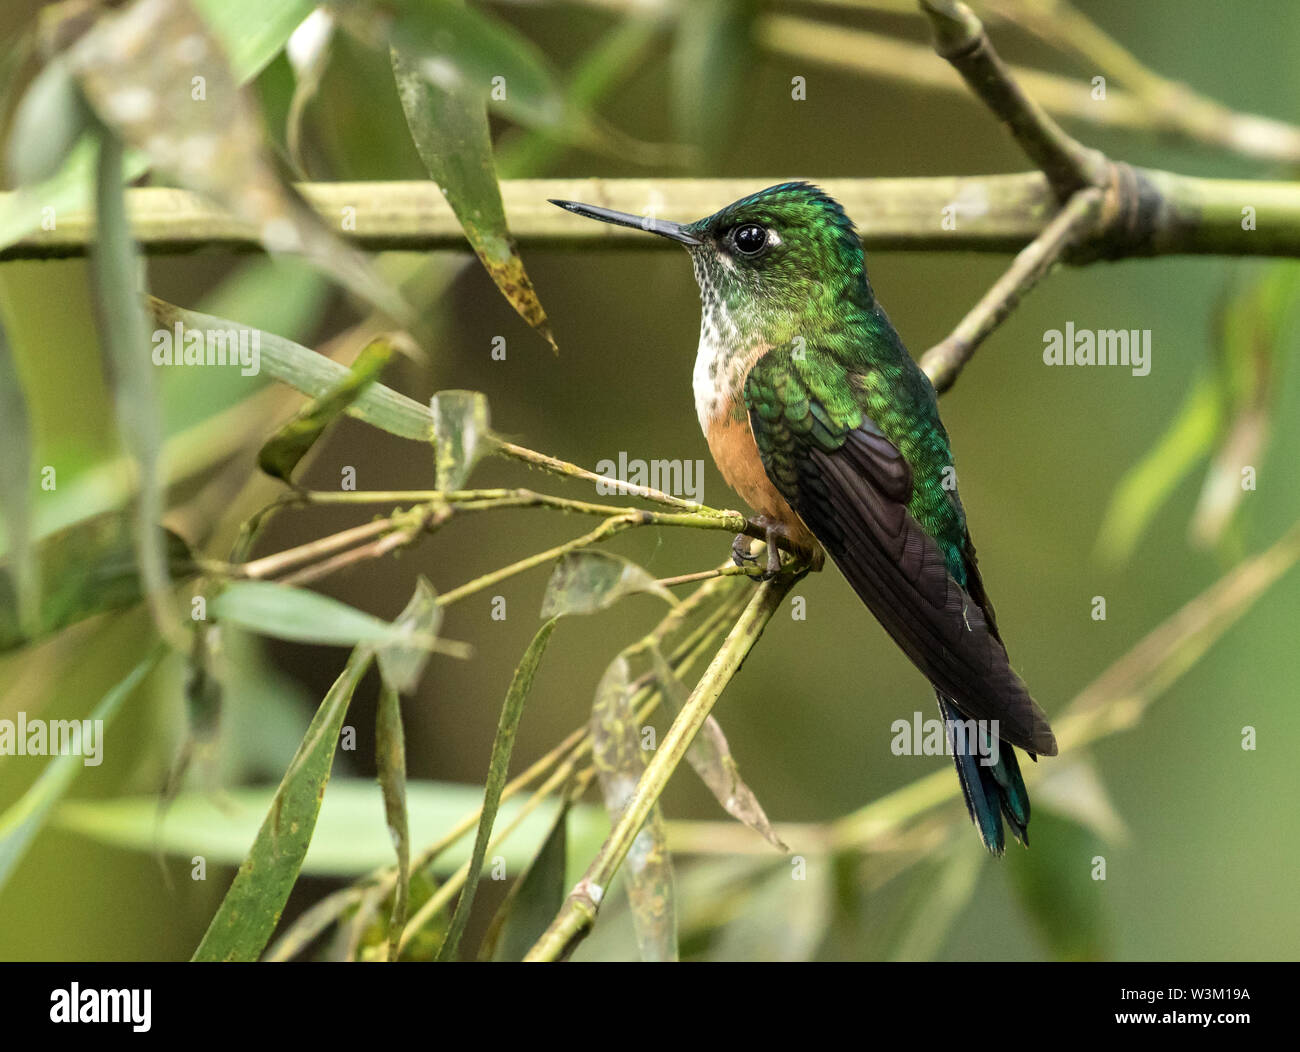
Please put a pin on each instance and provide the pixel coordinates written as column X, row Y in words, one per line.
column 819, row 418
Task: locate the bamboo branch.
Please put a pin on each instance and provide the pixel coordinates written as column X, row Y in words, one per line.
column 1072, row 224
column 1179, row 214
column 960, row 38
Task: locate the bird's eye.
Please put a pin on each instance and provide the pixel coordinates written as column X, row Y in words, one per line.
column 749, row 239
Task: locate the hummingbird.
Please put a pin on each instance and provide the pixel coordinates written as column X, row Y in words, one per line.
column 818, row 417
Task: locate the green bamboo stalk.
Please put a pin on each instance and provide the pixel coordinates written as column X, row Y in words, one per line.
column 1184, row 214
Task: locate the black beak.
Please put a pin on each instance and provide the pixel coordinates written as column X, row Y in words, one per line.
column 607, row 215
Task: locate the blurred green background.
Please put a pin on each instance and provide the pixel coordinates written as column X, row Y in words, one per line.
column 1207, row 871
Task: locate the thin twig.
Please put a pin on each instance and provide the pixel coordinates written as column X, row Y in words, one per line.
column 960, row 38
column 579, row 911
column 945, row 360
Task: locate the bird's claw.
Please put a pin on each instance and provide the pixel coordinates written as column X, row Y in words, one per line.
column 774, row 531
column 740, row 554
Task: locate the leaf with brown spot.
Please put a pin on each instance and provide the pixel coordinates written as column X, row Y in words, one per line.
column 449, row 126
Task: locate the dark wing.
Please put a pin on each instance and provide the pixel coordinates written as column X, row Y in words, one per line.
column 851, row 486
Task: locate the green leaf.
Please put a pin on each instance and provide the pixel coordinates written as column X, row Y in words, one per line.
column 1055, row 884
column 462, row 435
column 1146, row 486
column 390, row 760
column 614, row 58
column 458, row 47
column 402, row 659
column 498, row 770
column 1074, row 790
column 16, row 494
column 710, row 756
column 648, row 871
column 87, row 569
column 462, row 49
column 449, row 126
column 782, row 917
column 124, row 335
column 309, row 56
column 25, row 818
column 534, row 899
column 1252, row 327
column 937, row 908
column 350, row 840
column 252, row 32
column 1226, row 413
column 251, row 909
column 283, row 451
column 302, row 616
column 311, row 373
column 713, row 53
column 588, row 580
column 157, row 77
column 50, row 120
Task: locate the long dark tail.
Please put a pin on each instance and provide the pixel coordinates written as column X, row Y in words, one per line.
column 992, row 792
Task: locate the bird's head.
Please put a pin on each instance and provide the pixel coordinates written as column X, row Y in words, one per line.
column 772, row 260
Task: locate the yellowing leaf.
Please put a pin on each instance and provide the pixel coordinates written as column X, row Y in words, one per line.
column 449, row 125
column 282, row 452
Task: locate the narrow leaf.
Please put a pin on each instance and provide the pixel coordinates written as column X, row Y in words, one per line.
column 588, row 580
column 86, row 569
column 349, row 842
column 711, row 757
column 614, row 58
column 309, row 372
column 459, row 48
column 783, row 917
column 498, row 769
column 302, row 616
column 124, row 337
column 390, row 760
column 251, row 909
column 1075, row 790
column 713, row 53
column 402, row 659
column 449, row 126
column 1055, row 883
column 533, row 900
column 16, row 495
column 50, row 120
column 1145, row 487
column 283, row 451
column 462, row 435
column 252, row 32
column 648, row 872
column 25, row 818
column 1251, row 329
column 937, row 910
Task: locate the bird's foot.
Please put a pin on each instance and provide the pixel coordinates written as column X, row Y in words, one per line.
column 740, row 551
column 774, row 532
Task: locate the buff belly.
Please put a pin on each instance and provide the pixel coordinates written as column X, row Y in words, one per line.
column 736, row 453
